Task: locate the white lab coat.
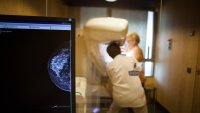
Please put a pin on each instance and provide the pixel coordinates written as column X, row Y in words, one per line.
column 127, row 90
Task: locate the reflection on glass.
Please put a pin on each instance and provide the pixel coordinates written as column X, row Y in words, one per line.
column 148, row 68
column 149, row 40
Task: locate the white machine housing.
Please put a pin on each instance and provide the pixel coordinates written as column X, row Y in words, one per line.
column 106, row 29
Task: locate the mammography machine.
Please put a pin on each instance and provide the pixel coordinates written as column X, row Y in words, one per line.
column 97, row 33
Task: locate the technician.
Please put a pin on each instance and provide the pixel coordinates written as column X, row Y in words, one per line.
column 127, row 89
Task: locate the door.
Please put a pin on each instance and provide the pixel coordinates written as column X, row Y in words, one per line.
column 196, row 97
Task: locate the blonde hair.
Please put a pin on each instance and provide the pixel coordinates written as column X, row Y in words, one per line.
column 133, row 35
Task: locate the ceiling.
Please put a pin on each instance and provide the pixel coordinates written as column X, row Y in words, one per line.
column 130, row 4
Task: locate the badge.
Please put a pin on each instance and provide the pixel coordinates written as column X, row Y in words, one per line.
column 135, row 71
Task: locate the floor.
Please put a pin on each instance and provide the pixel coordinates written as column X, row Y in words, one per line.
column 157, row 108
column 153, row 105
column 105, row 102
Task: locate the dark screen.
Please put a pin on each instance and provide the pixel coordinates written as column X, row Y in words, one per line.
column 27, row 83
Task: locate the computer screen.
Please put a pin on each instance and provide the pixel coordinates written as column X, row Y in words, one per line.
column 37, row 64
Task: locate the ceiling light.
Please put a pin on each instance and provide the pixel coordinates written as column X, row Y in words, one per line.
column 111, row 0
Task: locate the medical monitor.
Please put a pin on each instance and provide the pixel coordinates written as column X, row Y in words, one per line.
column 37, row 64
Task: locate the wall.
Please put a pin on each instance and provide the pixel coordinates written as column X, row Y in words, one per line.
column 55, row 8
column 196, row 97
column 178, row 18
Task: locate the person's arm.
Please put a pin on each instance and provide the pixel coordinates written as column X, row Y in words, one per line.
column 138, row 54
column 142, row 77
column 140, row 58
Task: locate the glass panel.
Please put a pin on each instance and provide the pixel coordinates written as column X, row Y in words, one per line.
column 87, row 13
column 89, row 89
column 149, row 36
column 137, row 22
column 104, row 53
column 148, row 68
column 93, row 91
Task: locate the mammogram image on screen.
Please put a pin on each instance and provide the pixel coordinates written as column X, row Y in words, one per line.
column 59, row 67
column 37, row 71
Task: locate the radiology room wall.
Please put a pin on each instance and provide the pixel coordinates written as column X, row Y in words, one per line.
column 54, row 8
column 178, row 20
